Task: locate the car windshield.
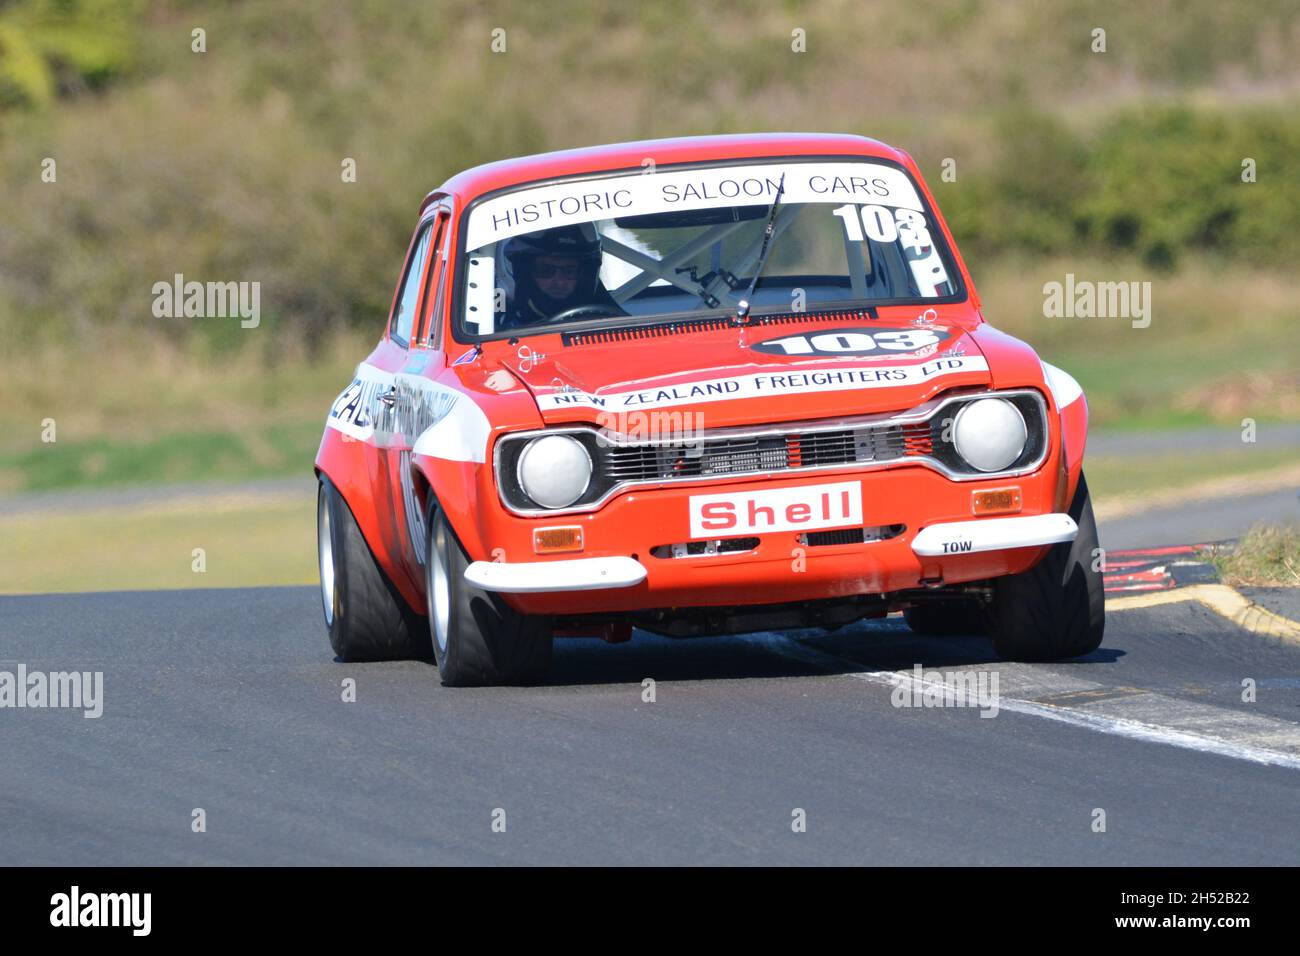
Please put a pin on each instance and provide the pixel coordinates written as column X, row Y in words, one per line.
column 687, row 240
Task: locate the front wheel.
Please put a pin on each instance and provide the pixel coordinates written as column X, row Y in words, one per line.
column 478, row 639
column 1056, row 609
column 367, row 619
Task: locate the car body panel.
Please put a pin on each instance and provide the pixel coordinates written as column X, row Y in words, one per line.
column 580, row 382
column 454, row 401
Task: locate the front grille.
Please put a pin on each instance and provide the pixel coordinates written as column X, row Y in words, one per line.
column 821, row 539
column 740, row 455
column 693, row 549
column 840, row 536
column 920, row 436
column 727, row 457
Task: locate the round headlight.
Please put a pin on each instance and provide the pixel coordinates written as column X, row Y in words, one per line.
column 554, row 471
column 989, row 434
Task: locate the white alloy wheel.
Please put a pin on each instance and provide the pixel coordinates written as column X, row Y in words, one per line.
column 439, row 585
column 325, row 552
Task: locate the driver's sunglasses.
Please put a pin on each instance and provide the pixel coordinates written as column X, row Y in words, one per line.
column 543, row 271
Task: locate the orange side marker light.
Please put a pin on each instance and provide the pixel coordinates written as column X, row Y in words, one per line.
column 996, row 501
column 557, row 540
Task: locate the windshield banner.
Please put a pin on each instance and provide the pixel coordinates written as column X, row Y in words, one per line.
column 668, row 190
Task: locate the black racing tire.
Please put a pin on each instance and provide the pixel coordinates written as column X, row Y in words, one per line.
column 365, row 615
column 1057, row 609
column 956, row 618
column 484, row 641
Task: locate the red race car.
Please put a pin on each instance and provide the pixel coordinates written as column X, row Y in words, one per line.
column 697, row 386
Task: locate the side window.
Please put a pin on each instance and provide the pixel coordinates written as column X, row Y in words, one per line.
column 408, row 298
column 438, row 281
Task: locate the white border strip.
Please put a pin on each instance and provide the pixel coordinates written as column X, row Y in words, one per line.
column 1043, row 681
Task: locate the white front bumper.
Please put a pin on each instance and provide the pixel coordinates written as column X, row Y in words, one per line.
column 993, row 534
column 938, row 540
column 578, row 574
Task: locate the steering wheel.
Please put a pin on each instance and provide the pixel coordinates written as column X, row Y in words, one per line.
column 581, row 311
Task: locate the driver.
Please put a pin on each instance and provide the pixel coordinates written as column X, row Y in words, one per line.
column 555, row 271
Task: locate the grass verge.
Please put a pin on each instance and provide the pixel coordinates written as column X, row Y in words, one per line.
column 257, row 451
column 1266, row 556
column 1112, row 479
column 243, row 543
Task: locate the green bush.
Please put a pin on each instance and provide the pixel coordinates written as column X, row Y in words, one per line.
column 48, row 45
column 1157, row 182
column 226, row 165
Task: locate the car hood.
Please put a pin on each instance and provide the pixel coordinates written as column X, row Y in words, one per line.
column 758, row 374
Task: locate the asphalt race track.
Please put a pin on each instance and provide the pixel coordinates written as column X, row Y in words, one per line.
column 230, row 701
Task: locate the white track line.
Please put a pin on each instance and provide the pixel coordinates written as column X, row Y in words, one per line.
column 1124, row 712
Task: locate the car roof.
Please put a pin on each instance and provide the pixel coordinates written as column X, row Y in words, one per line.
column 489, row 177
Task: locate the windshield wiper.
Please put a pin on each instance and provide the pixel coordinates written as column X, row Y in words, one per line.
column 742, row 309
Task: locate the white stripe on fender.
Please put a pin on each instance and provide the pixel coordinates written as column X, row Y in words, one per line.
column 993, row 534
column 353, row 411
column 459, row 433
column 1064, row 388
